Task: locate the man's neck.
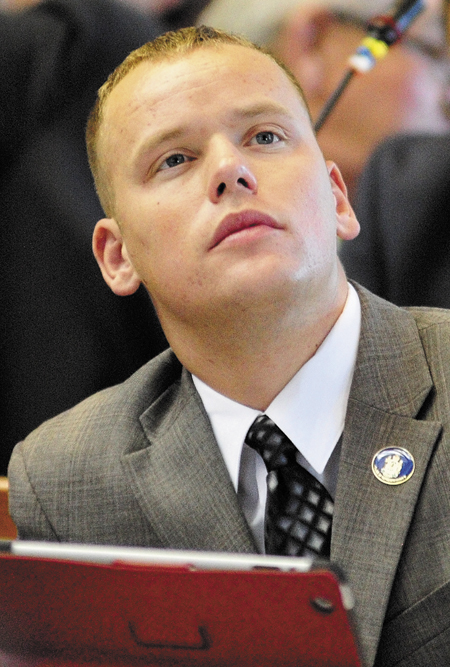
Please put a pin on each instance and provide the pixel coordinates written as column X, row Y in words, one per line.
column 251, row 359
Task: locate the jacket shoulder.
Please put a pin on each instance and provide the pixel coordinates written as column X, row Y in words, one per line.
column 433, row 326
column 116, row 408
column 430, row 317
column 66, row 477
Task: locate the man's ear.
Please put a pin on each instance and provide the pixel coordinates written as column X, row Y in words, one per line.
column 347, row 223
column 112, row 257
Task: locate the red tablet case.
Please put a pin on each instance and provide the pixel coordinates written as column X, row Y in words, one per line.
column 73, row 613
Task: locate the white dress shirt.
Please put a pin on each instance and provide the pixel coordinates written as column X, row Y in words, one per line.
column 310, row 410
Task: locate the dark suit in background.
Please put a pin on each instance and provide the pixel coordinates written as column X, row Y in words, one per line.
column 63, row 333
column 403, row 205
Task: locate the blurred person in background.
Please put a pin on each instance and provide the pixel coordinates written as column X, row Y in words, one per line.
column 63, row 333
column 315, row 38
column 403, row 203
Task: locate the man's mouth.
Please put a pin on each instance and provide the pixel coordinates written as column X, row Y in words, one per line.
column 238, row 222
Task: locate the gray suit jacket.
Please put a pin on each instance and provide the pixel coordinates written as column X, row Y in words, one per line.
column 137, row 464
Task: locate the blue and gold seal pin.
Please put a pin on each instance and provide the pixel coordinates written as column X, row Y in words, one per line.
column 393, row 465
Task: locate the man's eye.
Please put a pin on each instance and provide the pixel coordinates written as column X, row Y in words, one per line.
column 175, row 160
column 266, row 137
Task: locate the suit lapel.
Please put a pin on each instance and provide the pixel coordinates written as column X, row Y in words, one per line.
column 181, row 480
column 391, row 383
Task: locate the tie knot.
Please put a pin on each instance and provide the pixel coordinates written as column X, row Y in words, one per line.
column 271, row 443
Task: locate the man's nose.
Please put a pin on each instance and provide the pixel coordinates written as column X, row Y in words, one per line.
column 229, row 173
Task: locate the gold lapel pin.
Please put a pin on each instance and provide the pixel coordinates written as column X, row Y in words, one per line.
column 393, row 465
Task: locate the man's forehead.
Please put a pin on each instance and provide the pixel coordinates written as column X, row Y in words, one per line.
column 162, row 76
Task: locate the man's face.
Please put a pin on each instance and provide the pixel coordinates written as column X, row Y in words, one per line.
column 221, row 192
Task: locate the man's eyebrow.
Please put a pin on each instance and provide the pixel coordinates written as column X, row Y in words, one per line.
column 247, row 111
column 157, row 139
column 261, row 108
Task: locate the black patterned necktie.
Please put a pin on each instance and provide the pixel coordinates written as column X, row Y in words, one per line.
column 299, row 509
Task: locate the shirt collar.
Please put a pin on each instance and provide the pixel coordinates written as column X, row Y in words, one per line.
column 310, row 409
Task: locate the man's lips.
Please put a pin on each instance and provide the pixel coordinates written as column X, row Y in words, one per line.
column 237, row 222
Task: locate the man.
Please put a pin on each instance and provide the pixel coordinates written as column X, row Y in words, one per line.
column 220, row 202
column 315, row 38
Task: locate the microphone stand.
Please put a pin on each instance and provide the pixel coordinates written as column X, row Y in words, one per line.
column 382, row 33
